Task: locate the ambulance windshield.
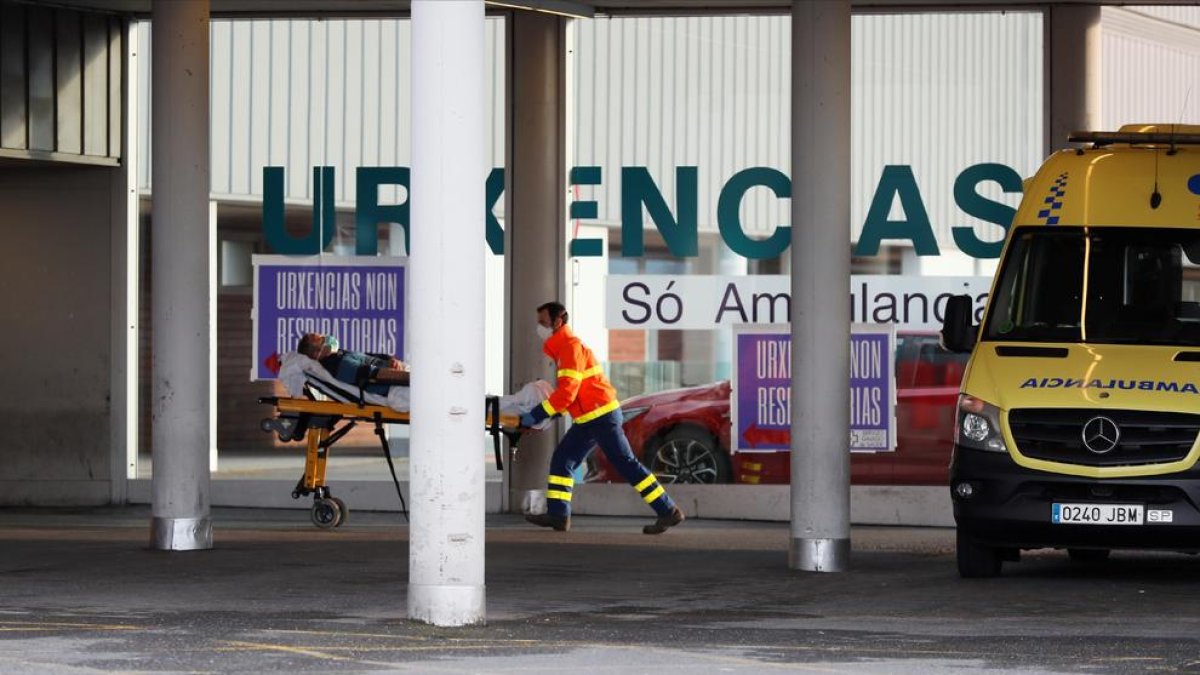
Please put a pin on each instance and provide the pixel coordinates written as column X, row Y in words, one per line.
column 1115, row 285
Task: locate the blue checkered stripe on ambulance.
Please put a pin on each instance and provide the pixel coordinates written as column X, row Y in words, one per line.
column 1054, row 200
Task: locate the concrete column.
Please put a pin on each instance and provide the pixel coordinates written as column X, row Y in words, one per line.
column 180, row 277
column 535, row 236
column 446, row 267
column 820, row 540
column 1073, row 81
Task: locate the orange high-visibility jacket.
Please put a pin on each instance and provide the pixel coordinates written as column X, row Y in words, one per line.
column 583, row 390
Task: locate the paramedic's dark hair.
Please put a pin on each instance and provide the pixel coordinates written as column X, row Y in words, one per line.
column 309, row 345
column 555, row 310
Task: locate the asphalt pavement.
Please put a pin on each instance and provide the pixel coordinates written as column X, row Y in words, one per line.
column 80, row 592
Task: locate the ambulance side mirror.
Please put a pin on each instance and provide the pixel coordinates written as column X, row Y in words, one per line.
column 959, row 330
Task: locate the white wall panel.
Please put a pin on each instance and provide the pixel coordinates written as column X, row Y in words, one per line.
column 240, row 96
column 296, row 107
column 280, row 83
column 260, row 108
column 936, row 92
column 299, row 94
column 388, row 55
column 220, row 69
column 940, row 93
column 1151, row 67
column 1183, row 15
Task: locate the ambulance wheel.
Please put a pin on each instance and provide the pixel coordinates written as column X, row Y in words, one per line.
column 1088, row 555
column 326, row 513
column 345, row 511
column 976, row 561
column 688, row 455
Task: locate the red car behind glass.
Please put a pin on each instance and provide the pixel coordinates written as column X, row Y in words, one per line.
column 682, row 435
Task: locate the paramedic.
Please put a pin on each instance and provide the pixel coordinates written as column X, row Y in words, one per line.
column 375, row 373
column 584, row 392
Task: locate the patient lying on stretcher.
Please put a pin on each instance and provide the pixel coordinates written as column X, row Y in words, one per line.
column 343, row 375
column 381, row 379
column 374, row 372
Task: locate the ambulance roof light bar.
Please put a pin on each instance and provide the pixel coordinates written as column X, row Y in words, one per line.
column 1099, row 139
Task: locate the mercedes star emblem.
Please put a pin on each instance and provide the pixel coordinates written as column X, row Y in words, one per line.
column 1101, row 435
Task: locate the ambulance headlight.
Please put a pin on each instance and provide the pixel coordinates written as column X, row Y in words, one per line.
column 978, row 425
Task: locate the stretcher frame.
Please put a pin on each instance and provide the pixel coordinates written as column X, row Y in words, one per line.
column 316, row 422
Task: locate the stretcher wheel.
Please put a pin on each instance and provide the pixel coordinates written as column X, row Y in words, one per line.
column 345, row 511
column 326, row 513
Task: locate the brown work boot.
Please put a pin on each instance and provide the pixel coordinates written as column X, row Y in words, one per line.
column 660, row 525
column 559, row 523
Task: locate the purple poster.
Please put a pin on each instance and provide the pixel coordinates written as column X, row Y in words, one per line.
column 762, row 382
column 358, row 300
column 872, row 380
column 763, row 391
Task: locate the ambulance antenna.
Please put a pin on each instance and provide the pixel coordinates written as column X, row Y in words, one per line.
column 1156, row 196
column 1175, row 127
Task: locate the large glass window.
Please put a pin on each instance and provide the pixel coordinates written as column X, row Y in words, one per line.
column 301, row 94
column 947, row 114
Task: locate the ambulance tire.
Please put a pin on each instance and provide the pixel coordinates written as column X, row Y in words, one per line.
column 976, row 561
column 326, row 514
column 345, row 510
column 709, row 464
column 1088, row 555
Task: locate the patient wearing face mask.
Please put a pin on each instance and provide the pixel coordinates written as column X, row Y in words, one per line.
column 374, row 373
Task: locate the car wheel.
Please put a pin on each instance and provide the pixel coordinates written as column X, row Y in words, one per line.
column 975, row 560
column 689, row 455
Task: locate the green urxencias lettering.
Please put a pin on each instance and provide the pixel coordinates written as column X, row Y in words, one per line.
column 641, row 198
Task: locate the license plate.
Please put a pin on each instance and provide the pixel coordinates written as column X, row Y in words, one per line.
column 1097, row 514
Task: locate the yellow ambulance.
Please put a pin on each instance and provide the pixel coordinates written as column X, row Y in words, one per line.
column 1079, row 414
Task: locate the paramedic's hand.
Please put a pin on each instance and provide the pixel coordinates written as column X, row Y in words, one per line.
column 527, row 420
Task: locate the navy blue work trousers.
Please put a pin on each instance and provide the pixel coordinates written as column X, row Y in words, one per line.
column 606, row 432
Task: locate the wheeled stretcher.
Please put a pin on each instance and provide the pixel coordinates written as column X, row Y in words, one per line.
column 320, row 424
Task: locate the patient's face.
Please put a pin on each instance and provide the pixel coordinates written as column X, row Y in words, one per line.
column 318, row 339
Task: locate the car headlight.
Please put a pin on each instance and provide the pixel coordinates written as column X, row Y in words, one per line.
column 978, row 425
column 631, row 413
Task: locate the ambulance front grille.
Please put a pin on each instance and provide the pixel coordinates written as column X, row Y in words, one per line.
column 1146, row 437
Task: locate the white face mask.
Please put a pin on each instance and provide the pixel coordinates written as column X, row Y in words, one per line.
column 544, row 332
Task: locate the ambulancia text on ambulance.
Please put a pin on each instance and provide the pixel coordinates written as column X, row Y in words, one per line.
column 1079, row 412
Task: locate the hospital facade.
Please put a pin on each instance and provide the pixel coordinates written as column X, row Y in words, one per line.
column 675, row 98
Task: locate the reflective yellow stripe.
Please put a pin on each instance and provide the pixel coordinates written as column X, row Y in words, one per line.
column 602, row 410
column 580, row 375
column 654, row 495
column 559, row 480
column 558, row 494
column 549, row 408
column 649, row 480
